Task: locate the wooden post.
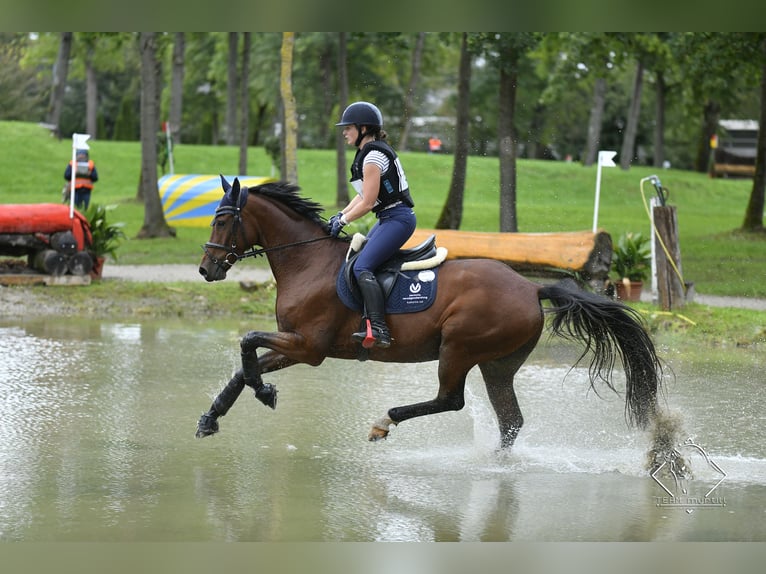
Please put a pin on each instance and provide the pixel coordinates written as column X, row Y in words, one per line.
column 670, row 285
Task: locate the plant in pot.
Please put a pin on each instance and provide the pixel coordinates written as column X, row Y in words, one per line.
column 631, row 264
column 106, row 236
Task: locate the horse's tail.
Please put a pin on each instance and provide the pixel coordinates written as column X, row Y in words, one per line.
column 609, row 329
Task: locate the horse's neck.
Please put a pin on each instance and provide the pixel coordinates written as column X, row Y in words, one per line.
column 289, row 257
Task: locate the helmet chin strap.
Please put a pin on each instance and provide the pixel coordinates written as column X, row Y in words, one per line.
column 359, row 137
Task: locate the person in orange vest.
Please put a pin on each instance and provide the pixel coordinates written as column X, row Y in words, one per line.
column 85, row 176
column 434, row 145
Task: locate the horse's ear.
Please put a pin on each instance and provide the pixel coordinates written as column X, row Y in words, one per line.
column 224, row 184
column 239, row 198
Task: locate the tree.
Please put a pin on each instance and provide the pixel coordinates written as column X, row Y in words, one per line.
column 22, row 93
column 177, row 85
column 154, row 219
column 290, row 145
column 244, row 127
column 231, row 90
column 60, row 72
column 717, row 68
column 409, row 96
column 452, row 212
column 634, row 111
column 504, row 51
column 91, row 85
column 586, row 60
column 754, row 211
column 341, row 196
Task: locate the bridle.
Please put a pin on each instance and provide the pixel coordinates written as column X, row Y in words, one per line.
column 232, row 257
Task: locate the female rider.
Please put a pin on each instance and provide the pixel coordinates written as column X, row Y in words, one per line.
column 381, row 186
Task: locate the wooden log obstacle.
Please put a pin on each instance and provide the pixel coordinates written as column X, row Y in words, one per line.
column 583, row 254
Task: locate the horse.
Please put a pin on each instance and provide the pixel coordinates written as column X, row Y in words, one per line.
column 484, row 314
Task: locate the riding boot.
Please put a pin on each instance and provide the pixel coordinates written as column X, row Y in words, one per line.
column 376, row 333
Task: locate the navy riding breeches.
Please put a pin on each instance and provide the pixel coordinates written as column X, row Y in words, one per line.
column 392, row 230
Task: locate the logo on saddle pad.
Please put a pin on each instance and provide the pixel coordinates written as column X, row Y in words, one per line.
column 409, row 292
column 408, row 279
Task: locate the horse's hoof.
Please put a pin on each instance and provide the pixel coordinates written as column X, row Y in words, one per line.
column 267, row 394
column 377, row 434
column 206, row 426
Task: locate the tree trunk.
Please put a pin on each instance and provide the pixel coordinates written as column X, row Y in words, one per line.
column 754, row 212
column 154, row 219
column 409, row 98
column 452, row 213
column 290, row 146
column 594, row 122
column 659, row 121
column 328, row 61
column 507, row 144
column 177, row 86
column 231, row 91
column 711, row 115
column 91, row 96
column 60, row 73
column 245, row 102
column 341, row 195
column 628, row 151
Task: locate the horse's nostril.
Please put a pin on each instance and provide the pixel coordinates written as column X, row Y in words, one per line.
column 203, row 271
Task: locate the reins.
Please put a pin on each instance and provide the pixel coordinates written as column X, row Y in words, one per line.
column 257, row 252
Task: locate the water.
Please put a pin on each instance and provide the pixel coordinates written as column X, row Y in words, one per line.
column 98, row 445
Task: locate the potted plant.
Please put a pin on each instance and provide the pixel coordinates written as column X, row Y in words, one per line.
column 631, row 263
column 106, row 236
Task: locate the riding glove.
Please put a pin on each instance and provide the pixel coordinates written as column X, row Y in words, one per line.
column 336, row 224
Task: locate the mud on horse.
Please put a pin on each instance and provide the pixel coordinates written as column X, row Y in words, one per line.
column 484, row 314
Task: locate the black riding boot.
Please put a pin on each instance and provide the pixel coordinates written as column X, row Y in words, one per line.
column 376, row 333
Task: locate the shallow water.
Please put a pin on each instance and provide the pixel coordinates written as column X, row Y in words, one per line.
column 98, row 445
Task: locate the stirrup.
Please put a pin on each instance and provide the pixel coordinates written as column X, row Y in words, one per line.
column 372, row 337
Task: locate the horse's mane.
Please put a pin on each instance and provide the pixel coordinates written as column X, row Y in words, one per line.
column 287, row 194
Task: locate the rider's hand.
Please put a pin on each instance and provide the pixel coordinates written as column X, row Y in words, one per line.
column 336, row 224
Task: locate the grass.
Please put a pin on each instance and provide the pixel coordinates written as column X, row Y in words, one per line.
column 552, row 196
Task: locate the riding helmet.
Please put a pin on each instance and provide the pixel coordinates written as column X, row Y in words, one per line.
column 361, row 114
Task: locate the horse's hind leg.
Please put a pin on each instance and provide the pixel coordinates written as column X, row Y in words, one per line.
column 498, row 378
column 449, row 398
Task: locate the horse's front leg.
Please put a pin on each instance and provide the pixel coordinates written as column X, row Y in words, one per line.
column 208, row 422
column 253, row 367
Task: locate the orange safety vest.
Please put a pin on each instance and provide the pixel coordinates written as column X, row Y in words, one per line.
column 83, row 180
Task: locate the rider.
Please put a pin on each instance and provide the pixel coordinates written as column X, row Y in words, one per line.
column 381, row 186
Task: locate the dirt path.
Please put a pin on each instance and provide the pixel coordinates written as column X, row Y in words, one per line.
column 174, row 272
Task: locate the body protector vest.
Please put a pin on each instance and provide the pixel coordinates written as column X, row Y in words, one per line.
column 83, row 172
column 393, row 183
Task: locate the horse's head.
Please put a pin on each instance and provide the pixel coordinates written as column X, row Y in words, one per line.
column 227, row 240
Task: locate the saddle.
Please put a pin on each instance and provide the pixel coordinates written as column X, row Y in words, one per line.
column 423, row 256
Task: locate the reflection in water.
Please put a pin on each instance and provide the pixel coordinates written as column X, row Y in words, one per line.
column 98, row 445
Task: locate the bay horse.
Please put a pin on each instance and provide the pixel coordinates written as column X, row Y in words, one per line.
column 484, row 314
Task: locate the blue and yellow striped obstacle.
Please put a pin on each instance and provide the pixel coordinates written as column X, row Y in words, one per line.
column 189, row 200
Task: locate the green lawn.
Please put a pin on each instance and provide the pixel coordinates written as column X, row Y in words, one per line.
column 552, row 196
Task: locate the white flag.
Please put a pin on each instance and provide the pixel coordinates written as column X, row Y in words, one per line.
column 606, row 158
column 79, row 141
